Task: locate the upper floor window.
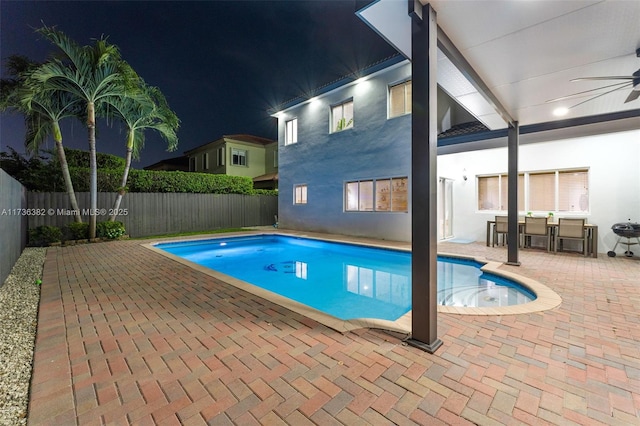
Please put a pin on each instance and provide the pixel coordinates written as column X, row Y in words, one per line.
column 544, row 191
column 400, row 99
column 342, row 116
column 205, row 161
column 220, row 154
column 238, row 157
column 291, row 132
column 300, row 194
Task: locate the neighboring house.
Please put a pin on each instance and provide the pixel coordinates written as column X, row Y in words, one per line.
column 238, row 155
column 345, row 165
column 171, row 164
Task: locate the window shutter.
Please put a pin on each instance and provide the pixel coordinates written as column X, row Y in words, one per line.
column 573, row 191
column 488, row 193
column 542, row 191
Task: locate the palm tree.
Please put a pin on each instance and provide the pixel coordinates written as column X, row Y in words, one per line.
column 92, row 74
column 148, row 109
column 42, row 116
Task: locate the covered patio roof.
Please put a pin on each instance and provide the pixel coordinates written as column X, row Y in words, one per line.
column 515, row 57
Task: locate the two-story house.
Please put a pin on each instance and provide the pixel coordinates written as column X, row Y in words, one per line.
column 238, row 155
column 345, row 155
column 345, row 165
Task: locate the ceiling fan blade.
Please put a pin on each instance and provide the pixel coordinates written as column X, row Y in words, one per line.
column 635, row 94
column 602, row 94
column 583, row 93
column 611, row 77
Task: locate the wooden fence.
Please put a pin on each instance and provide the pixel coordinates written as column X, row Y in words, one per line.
column 147, row 214
column 13, row 223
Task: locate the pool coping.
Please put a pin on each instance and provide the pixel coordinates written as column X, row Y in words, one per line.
column 546, row 298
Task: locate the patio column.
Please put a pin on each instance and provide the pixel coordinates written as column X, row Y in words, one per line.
column 424, row 178
column 512, row 208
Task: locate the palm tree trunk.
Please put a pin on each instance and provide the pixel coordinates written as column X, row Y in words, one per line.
column 93, row 179
column 125, row 177
column 62, row 158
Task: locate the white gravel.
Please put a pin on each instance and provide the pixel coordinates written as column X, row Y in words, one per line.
column 19, row 298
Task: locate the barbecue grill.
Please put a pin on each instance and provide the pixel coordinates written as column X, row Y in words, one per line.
column 626, row 230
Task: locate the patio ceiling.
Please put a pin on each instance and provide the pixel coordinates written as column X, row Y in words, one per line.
column 527, row 52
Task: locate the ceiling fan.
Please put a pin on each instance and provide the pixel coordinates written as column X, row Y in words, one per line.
column 630, row 81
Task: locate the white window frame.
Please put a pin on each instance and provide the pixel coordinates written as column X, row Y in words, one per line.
column 220, row 153
column 407, row 105
column 524, row 198
column 369, row 201
column 291, row 131
column 300, row 194
column 337, row 111
column 240, row 153
column 205, row 161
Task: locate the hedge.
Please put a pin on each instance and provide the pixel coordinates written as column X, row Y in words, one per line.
column 45, row 175
column 163, row 181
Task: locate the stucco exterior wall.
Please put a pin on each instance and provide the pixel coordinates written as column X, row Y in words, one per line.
column 614, row 179
column 271, row 152
column 255, row 160
column 376, row 147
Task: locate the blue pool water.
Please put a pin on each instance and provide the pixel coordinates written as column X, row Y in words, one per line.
column 344, row 280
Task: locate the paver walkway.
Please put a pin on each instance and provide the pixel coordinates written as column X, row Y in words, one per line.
column 127, row 336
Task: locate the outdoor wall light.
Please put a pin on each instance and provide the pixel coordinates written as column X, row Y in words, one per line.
column 362, row 85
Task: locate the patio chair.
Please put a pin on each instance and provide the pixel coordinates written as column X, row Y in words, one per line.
column 535, row 227
column 500, row 228
column 571, row 229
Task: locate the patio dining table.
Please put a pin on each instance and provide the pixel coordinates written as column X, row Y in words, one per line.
column 552, row 227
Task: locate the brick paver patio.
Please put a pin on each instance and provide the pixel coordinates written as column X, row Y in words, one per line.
column 127, row 336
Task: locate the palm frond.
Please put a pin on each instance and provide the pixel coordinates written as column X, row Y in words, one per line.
column 71, row 50
column 38, row 127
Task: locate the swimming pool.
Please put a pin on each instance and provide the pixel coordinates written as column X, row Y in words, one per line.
column 344, row 280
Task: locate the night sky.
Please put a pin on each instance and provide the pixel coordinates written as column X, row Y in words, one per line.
column 223, row 65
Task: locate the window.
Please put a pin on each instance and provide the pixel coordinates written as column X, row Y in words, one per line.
column 205, row 161
column 380, row 195
column 300, row 194
column 342, row 116
column 220, row 156
column 291, row 132
column 192, row 164
column 493, row 192
column 543, row 191
column 238, row 157
column 573, row 191
column 400, row 99
column 275, row 159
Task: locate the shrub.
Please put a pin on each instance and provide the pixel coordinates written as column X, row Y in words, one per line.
column 189, row 182
column 162, row 181
column 110, row 230
column 77, row 231
column 80, row 158
column 44, row 235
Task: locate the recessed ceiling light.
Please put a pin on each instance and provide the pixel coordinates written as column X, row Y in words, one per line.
column 559, row 112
